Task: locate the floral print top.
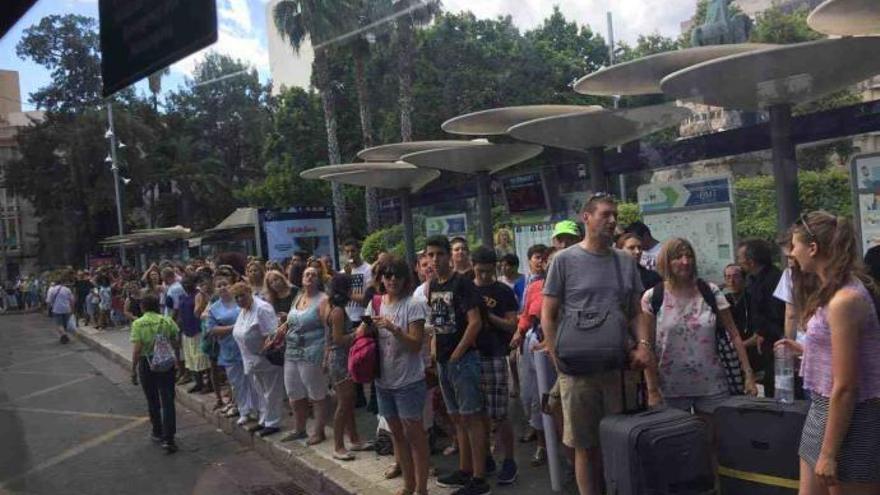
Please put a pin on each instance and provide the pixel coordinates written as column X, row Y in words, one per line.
column 685, row 344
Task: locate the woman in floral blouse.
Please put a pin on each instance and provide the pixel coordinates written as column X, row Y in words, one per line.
column 689, row 371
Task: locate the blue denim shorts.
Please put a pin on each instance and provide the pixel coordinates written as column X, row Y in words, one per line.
column 460, row 384
column 407, row 402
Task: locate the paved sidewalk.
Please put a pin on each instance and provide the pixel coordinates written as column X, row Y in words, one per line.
column 314, row 467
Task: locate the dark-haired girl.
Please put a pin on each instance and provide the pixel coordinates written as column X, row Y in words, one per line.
column 339, row 336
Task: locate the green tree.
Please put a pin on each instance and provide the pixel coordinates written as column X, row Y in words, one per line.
column 297, row 20
column 77, row 204
column 776, row 26
column 218, row 124
column 67, row 46
column 293, row 144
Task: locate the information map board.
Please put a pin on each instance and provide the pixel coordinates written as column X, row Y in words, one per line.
column 865, row 174
column 526, row 236
column 699, row 210
column 710, row 231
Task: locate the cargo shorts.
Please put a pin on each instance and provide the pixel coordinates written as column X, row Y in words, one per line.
column 589, row 398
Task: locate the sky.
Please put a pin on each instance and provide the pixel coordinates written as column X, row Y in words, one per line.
column 242, row 28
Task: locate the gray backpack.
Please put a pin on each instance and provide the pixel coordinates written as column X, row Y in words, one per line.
column 593, row 339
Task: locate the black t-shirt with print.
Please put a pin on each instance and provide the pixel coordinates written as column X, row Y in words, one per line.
column 449, row 304
column 498, row 299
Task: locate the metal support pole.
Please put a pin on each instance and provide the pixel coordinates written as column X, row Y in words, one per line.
column 115, row 168
column 484, row 206
column 598, row 180
column 784, row 166
column 409, row 241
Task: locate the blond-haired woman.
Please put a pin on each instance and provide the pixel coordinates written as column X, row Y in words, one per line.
column 689, row 373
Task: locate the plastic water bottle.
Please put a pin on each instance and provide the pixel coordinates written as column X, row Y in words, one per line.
column 784, row 383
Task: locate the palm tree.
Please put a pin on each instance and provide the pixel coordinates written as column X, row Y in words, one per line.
column 412, row 13
column 154, row 81
column 319, row 20
column 369, row 11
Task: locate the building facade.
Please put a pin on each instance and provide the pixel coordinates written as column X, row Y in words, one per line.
column 19, row 241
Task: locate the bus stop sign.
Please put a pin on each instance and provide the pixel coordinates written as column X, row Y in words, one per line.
column 139, row 37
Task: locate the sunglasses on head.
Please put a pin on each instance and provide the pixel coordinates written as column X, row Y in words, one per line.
column 803, row 221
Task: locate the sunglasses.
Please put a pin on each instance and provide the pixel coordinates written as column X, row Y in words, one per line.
column 803, row 221
column 601, row 195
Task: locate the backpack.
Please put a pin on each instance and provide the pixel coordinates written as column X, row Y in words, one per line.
column 163, row 355
column 363, row 359
column 723, row 346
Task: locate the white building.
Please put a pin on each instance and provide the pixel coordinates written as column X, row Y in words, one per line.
column 287, row 67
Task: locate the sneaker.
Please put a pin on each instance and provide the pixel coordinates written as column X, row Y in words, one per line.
column 243, row 421
column 455, row 479
column 170, row 447
column 491, row 467
column 64, row 339
column 269, row 430
column 195, row 388
column 508, row 472
column 477, row 486
column 156, row 438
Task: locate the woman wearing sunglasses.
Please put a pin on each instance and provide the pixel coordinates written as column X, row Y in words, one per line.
column 841, row 368
column 401, row 389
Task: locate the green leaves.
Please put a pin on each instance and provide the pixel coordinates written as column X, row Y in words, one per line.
column 818, row 190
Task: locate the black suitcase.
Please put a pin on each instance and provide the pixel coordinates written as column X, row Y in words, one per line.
column 758, row 442
column 659, row 451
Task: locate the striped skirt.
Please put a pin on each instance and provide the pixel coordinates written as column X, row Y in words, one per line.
column 858, row 460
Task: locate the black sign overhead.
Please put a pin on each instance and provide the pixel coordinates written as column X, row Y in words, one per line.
column 139, row 37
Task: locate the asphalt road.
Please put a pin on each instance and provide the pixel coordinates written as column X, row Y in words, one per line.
column 72, row 423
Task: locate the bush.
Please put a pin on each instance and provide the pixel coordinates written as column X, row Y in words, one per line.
column 389, row 239
column 828, row 190
column 628, row 213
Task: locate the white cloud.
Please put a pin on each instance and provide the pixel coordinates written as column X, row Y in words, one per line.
column 631, row 17
column 237, row 37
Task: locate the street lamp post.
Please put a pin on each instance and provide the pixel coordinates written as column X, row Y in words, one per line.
column 115, row 168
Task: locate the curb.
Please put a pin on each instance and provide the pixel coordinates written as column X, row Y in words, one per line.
column 310, row 471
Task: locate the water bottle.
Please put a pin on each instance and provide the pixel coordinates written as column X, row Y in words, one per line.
column 784, row 383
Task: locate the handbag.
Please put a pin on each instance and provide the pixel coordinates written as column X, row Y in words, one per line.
column 210, row 346
column 593, row 339
column 274, row 352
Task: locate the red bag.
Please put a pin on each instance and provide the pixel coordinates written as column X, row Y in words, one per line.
column 363, row 360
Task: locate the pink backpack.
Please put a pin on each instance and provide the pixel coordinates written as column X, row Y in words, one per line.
column 363, row 360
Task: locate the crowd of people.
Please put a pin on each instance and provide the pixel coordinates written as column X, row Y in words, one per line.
column 463, row 332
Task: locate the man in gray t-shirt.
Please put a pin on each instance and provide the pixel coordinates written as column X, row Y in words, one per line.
column 585, row 276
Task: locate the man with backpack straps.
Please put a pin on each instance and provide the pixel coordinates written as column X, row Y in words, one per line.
column 591, row 298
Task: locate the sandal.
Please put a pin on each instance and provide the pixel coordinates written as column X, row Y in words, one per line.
column 451, row 450
column 361, row 446
column 393, row 471
column 293, row 435
column 316, row 439
column 343, row 456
